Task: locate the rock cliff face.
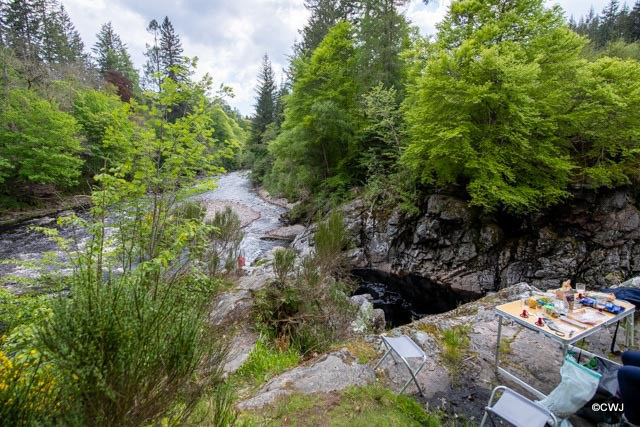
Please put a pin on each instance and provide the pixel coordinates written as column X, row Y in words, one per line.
column 593, row 239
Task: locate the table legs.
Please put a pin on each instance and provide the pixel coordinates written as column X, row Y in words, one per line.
column 498, row 342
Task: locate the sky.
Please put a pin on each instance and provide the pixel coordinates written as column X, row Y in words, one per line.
column 230, row 36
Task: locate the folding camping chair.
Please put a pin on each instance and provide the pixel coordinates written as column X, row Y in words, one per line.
column 405, row 348
column 517, row 410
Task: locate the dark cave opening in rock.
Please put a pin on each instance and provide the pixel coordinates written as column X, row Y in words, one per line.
column 407, row 298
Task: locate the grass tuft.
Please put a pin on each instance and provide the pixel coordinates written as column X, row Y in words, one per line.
column 266, row 361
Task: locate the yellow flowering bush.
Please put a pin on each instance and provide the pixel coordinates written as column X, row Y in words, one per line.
column 28, row 389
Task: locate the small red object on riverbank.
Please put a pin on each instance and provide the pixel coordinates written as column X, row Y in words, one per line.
column 241, row 261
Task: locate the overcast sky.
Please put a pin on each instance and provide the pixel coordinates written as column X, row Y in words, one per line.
column 230, row 36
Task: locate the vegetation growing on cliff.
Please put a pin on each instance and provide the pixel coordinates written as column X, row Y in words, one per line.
column 508, row 104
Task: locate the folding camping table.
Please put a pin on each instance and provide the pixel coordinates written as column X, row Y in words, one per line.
column 512, row 310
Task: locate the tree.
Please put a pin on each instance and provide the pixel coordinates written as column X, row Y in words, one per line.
column 170, row 50
column 38, row 141
column 105, row 122
column 278, row 109
column 324, row 15
column 634, row 22
column 321, row 117
column 383, row 34
column 111, row 54
column 72, row 49
column 602, row 124
column 483, row 111
column 152, row 68
column 22, row 28
column 41, row 30
column 609, row 23
column 265, row 101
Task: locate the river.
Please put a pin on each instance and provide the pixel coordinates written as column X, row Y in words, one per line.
column 29, row 247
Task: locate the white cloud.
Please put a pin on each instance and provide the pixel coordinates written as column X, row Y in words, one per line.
column 230, row 36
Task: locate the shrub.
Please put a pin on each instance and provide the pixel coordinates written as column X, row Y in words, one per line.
column 194, row 211
column 309, row 313
column 225, row 235
column 330, row 240
column 130, row 350
column 29, row 390
column 283, row 262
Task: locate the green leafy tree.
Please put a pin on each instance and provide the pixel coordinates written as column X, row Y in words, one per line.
column 321, row 117
column 483, row 111
column 106, row 124
column 602, row 124
column 37, row 143
column 229, row 138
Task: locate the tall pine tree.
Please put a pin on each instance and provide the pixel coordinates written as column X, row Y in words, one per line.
column 265, row 102
column 72, row 49
column 170, row 50
column 22, row 28
column 111, row 53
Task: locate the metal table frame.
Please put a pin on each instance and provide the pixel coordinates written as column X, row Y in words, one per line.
column 566, row 343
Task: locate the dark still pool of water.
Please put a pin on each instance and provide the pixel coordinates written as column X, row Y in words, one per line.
column 406, row 298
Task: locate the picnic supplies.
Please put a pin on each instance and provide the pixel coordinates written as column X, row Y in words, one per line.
column 589, row 317
column 576, row 323
column 627, row 294
column 607, row 296
column 602, row 304
column 577, row 387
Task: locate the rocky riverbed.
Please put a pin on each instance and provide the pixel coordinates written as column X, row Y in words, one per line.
column 25, row 254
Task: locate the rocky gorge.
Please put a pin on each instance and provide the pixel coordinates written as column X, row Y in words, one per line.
column 593, row 239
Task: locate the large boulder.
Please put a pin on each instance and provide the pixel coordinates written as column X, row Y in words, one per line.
column 331, row 372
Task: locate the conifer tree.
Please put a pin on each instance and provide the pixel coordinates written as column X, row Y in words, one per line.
column 170, row 50
column 265, row 101
column 324, row 15
column 72, row 49
column 111, row 53
column 384, row 33
column 634, row 22
column 22, row 28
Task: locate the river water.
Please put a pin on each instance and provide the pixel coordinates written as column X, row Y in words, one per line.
column 27, row 246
